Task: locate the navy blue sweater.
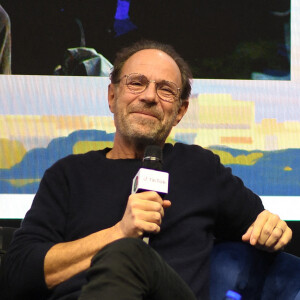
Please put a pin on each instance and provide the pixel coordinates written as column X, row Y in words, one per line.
column 81, row 194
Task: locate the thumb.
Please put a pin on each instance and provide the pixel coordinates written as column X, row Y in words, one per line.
column 166, row 203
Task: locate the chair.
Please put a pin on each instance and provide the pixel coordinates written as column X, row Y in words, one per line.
column 6, row 235
column 255, row 274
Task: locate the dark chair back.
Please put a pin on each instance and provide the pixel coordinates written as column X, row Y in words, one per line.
column 6, row 235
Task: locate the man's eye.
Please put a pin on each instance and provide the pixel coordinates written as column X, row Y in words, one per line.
column 137, row 83
column 166, row 89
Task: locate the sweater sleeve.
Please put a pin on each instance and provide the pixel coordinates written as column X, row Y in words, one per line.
column 41, row 228
column 238, row 206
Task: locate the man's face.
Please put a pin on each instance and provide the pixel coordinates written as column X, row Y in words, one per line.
column 145, row 117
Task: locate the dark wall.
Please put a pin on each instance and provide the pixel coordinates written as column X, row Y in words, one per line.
column 220, row 39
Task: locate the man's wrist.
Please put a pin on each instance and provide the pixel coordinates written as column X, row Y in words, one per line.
column 118, row 233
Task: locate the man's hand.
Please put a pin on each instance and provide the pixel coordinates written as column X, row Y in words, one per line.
column 268, row 232
column 144, row 213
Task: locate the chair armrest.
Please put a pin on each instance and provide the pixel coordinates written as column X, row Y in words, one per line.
column 255, row 274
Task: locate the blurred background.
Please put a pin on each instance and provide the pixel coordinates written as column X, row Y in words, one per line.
column 234, row 39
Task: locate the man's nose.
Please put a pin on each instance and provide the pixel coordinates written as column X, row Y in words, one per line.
column 150, row 92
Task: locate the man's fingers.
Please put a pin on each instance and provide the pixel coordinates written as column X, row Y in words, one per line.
column 147, row 205
column 144, row 213
column 256, row 232
column 150, row 205
column 149, row 227
column 147, row 220
column 263, row 227
column 166, row 203
column 247, row 235
column 149, row 216
column 267, row 231
column 280, row 238
column 276, row 234
column 149, row 195
column 284, row 240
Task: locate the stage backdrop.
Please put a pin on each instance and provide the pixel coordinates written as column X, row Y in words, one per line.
column 253, row 125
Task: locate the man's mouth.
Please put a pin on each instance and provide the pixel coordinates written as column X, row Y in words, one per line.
column 146, row 114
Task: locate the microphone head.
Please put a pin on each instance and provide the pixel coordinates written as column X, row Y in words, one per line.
column 153, row 158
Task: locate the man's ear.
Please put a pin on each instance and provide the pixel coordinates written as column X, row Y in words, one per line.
column 111, row 96
column 181, row 111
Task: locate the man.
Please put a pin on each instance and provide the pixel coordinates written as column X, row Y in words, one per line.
column 84, row 209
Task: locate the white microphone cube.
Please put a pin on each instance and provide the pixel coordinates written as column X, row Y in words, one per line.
column 150, row 180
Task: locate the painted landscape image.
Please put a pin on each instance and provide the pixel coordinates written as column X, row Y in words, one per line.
column 253, row 127
column 266, row 172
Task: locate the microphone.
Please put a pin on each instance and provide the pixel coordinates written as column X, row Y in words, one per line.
column 150, row 176
column 153, row 158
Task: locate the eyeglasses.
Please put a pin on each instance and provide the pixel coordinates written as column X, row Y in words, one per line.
column 165, row 90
